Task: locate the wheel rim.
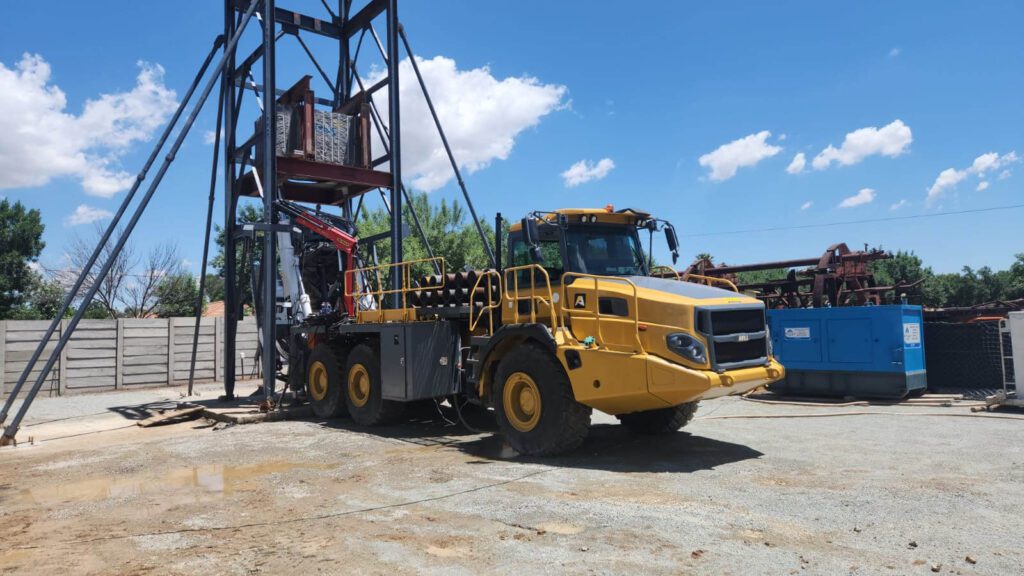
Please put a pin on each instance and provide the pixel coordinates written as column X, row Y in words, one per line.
column 317, row 381
column 521, row 399
column 359, row 385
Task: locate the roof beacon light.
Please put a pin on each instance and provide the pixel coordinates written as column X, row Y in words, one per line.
column 609, row 208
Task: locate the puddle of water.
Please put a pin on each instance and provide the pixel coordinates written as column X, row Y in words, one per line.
column 211, row 479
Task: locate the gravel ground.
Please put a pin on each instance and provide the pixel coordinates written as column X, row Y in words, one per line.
column 778, row 491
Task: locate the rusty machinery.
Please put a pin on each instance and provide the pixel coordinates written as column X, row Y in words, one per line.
column 839, row 277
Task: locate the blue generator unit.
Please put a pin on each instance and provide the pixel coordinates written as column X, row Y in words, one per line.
column 862, row 351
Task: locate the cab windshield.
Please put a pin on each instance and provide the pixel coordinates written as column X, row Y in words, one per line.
column 604, row 250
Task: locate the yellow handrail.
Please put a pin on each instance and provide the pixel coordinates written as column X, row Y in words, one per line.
column 490, row 305
column 663, row 269
column 405, row 269
column 533, row 297
column 570, row 310
column 710, row 281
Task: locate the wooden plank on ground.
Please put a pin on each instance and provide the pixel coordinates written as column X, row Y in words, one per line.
column 189, row 413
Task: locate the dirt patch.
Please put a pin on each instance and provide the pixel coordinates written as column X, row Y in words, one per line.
column 752, row 496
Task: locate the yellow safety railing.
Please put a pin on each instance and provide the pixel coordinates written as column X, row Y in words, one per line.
column 710, row 281
column 593, row 308
column 405, row 268
column 533, row 297
column 491, row 303
column 665, row 271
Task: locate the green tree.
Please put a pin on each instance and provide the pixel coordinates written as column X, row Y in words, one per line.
column 903, row 267
column 214, row 287
column 21, row 242
column 760, row 276
column 449, row 232
column 1015, row 278
column 41, row 301
column 247, row 214
column 906, row 268
column 176, row 295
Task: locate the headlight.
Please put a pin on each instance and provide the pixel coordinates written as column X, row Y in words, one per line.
column 687, row 346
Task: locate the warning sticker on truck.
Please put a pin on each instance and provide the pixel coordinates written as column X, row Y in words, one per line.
column 912, row 335
column 798, row 332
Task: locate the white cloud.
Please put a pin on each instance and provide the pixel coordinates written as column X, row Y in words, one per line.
column 806, row 205
column 798, row 164
column 946, row 179
column 741, row 153
column 186, row 263
column 86, row 214
column 864, row 196
column 895, row 52
column 898, row 205
column 586, row 171
column 482, row 117
column 210, row 136
column 40, row 141
column 981, row 167
column 982, row 186
column 890, row 140
column 992, row 161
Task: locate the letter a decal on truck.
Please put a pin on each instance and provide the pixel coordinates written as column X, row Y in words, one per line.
column 580, row 301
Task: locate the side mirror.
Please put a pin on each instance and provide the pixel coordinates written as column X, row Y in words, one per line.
column 673, row 241
column 531, row 235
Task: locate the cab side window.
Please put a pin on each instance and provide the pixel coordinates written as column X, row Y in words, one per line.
column 519, row 255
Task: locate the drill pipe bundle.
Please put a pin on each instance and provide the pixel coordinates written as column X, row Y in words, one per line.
column 450, row 290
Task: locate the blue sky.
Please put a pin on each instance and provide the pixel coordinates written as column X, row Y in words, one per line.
column 920, row 87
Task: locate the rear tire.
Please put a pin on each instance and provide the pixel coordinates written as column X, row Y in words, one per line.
column 363, row 396
column 535, row 406
column 660, row 421
column 324, row 384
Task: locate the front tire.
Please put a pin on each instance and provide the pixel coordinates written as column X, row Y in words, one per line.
column 324, row 383
column 660, row 421
column 535, row 406
column 363, row 396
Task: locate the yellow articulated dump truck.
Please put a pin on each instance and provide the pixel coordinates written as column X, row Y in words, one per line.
column 574, row 321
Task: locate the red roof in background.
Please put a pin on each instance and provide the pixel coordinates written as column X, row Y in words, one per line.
column 214, row 310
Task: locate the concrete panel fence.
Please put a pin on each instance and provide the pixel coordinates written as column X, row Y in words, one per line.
column 124, row 353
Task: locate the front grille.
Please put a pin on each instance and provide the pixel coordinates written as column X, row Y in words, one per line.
column 737, row 321
column 732, row 352
column 737, row 336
